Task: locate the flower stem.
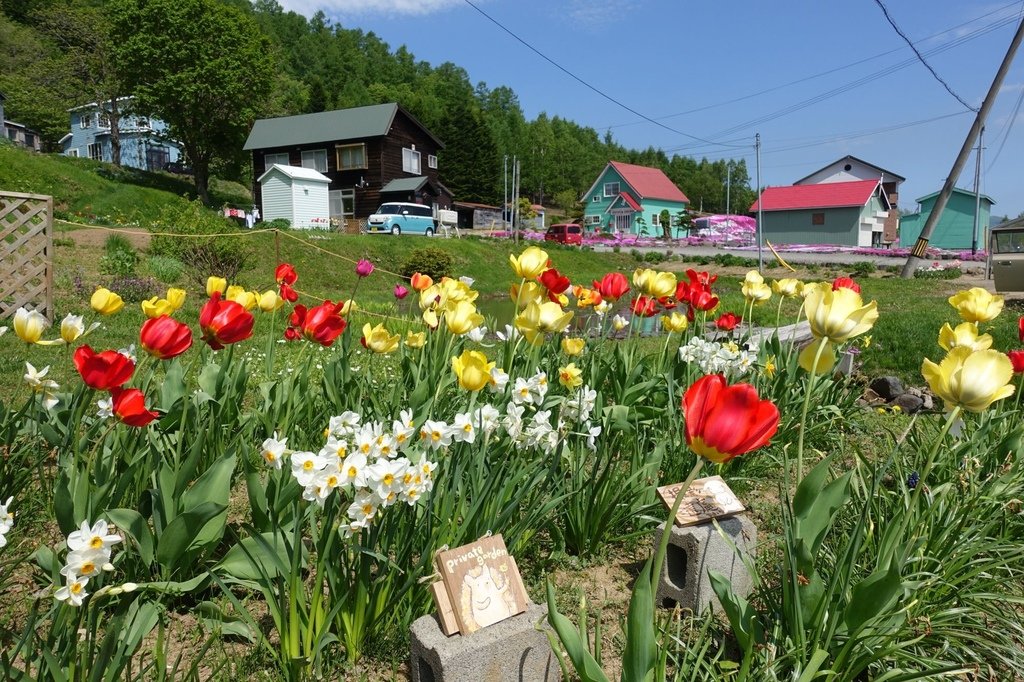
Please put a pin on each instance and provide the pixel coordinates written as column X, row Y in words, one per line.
column 659, row 558
column 811, row 380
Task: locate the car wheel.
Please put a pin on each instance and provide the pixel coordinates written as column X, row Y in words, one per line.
column 396, row 230
column 429, row 232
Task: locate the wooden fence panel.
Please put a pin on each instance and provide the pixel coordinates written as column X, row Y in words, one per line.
column 26, row 253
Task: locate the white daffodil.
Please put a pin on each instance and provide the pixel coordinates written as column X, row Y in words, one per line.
column 6, row 520
column 486, row 418
column 477, row 334
column 521, row 393
column 510, row 333
column 363, row 509
column 93, row 537
column 129, row 352
column 498, row 381
column 105, row 408
column 385, row 479
column 435, row 435
column 73, row 591
column 344, row 424
column 85, row 563
column 36, row 379
column 463, row 430
column 592, row 435
column 353, row 470
column 602, row 308
column 305, row 465
column 274, row 450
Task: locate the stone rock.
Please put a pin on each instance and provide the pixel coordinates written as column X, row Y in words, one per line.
column 513, row 650
column 693, row 550
column 908, row 402
column 929, row 402
column 887, row 387
column 871, row 398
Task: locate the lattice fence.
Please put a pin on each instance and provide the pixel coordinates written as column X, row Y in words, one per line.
column 26, row 253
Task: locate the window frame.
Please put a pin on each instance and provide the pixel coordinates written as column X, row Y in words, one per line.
column 85, row 121
column 618, row 189
column 316, row 156
column 98, row 148
column 338, row 149
column 267, row 165
column 432, row 161
column 411, row 154
column 818, row 218
column 72, row 152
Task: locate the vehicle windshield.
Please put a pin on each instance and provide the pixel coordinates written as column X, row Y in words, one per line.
column 390, row 209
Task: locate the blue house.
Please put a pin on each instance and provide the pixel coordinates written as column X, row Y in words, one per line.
column 144, row 141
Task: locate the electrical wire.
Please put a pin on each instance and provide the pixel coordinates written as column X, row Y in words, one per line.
column 885, row 11
column 1005, row 132
column 594, row 88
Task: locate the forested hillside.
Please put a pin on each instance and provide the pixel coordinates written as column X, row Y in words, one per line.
column 59, row 53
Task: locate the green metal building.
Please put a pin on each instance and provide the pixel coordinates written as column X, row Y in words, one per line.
column 955, row 229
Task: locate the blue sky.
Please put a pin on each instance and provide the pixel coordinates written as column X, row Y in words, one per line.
column 666, row 57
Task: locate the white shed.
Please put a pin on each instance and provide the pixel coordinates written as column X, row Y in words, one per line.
column 299, row 195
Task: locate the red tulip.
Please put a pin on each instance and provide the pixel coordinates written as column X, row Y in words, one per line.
column 845, row 283
column 612, row 286
column 164, row 337
column 702, row 299
column 644, row 306
column 554, row 281
column 288, row 294
column 728, row 321
column 723, row 422
column 321, row 324
column 1020, row 329
column 103, row 371
column 285, row 274
column 129, row 406
column 667, row 303
column 1017, row 360
column 704, row 279
column 224, row 322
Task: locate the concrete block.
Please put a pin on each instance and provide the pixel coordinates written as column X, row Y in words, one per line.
column 693, row 550
column 513, row 650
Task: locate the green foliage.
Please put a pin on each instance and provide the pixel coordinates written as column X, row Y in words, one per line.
column 939, row 273
column 432, row 262
column 187, row 222
column 862, row 268
column 166, row 269
column 120, row 258
column 278, row 224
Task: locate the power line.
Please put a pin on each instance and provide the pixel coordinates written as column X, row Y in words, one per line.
column 1008, row 127
column 920, row 57
column 594, row 88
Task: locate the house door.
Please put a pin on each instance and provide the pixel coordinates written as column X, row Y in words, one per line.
column 342, row 206
column 624, row 223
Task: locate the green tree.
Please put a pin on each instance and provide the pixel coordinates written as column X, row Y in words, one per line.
column 201, row 66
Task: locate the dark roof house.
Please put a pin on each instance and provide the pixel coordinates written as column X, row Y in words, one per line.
column 371, row 154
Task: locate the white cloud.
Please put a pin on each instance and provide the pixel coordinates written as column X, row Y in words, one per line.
column 594, row 15
column 362, row 7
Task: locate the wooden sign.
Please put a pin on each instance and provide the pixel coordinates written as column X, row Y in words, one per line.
column 708, row 498
column 480, row 585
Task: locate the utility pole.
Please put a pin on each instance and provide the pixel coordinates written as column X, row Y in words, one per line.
column 918, row 252
column 504, row 202
column 760, row 213
column 728, row 186
column 977, row 194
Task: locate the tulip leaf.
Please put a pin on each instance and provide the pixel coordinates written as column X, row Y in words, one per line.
column 575, row 648
column 177, row 538
column 172, row 388
column 135, row 526
column 872, row 596
column 255, row 557
column 641, row 650
column 742, row 617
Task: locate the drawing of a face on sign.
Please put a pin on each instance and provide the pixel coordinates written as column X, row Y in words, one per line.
column 486, row 598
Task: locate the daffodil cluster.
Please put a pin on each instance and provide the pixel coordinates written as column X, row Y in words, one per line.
column 713, row 357
column 90, row 551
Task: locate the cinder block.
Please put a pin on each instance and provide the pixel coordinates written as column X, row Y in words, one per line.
column 693, row 550
column 513, row 650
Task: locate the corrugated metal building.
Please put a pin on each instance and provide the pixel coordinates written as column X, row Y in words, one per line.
column 298, row 195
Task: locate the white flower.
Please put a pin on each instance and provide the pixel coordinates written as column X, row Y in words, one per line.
column 486, row 418
column 592, row 435
column 539, row 386
column 36, row 378
column 521, row 392
column 6, row 520
column 305, row 465
column 386, row 445
column 386, row 478
column 468, row 281
column 435, row 434
column 94, row 537
column 365, row 441
column 345, row 424
column 477, row 334
column 3, row 330
column 129, row 352
column 619, row 323
column 273, row 450
column 334, row 448
column 499, row 380
column 425, row 471
column 105, row 408
column 402, row 430
column 510, row 333
column 353, row 470
column 514, row 420
column 85, row 563
column 73, row 591
column 602, row 308
column 362, row 510
column 72, row 328
column 462, row 429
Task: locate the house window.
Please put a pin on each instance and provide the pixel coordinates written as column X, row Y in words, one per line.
column 592, row 220
column 73, row 152
column 351, row 156
column 655, row 219
column 12, row 134
column 96, row 151
column 103, row 121
column 431, row 161
column 342, row 203
column 30, row 140
column 142, row 123
column 270, row 159
column 611, row 189
column 315, row 159
column 817, row 219
column 411, row 161
column 596, row 198
column 85, row 121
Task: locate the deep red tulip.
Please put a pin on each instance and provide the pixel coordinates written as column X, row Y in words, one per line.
column 1020, row 329
column 554, row 281
column 401, row 292
column 224, row 322
column 164, row 337
column 704, row 279
column 103, row 371
column 644, row 306
column 728, row 321
column 845, row 283
column 1017, row 360
column 702, row 299
column 667, row 302
column 130, row 407
column 612, row 286
column 321, row 324
column 723, row 422
column 285, row 274
column 287, row 293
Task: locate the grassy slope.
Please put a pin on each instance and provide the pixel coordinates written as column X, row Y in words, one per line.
column 96, row 192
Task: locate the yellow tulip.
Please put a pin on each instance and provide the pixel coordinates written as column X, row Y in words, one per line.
column 970, row 379
column 72, row 328
column 787, row 287
column 462, row 318
column 472, row 369
column 838, row 315
column 825, row 363
column 157, row 307
column 654, row 283
column 348, row 307
column 246, row 299
column 417, row 340
column 430, row 318
column 541, row 318
column 214, row 283
column 29, row 325
column 811, row 287
column 176, row 297
column 573, row 346
column 531, row 292
column 379, row 340
column 570, row 376
column 674, row 322
column 455, row 290
column 977, row 304
column 105, row 301
column 270, row 301
column 966, row 335
column 530, row 263
column 585, row 297
column 754, row 289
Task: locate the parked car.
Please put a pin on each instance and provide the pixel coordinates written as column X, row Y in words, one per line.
column 178, row 168
column 565, row 233
column 397, row 218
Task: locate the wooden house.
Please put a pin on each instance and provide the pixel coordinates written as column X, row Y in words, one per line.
column 626, row 199
column 371, row 155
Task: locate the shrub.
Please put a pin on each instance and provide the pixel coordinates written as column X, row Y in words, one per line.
column 637, row 254
column 653, row 257
column 120, row 258
column 277, row 224
column 64, row 241
column 436, row 263
column 166, row 269
column 117, row 242
column 187, row 222
column 862, row 268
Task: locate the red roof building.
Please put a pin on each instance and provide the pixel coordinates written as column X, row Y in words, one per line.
column 829, row 195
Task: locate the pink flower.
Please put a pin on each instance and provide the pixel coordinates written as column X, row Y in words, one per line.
column 364, row 268
column 400, row 292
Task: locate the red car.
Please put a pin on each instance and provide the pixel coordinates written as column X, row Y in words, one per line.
column 568, row 233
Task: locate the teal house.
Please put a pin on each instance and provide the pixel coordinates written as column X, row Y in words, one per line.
column 955, row 229
column 629, row 199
